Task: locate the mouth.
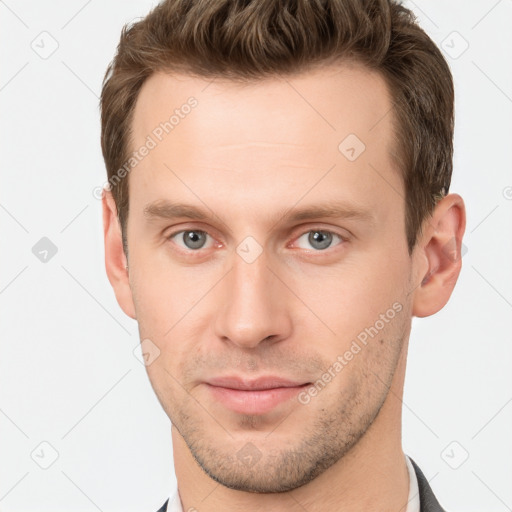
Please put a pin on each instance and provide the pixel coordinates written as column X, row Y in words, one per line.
column 256, row 396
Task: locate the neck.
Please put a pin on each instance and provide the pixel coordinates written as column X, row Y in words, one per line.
column 372, row 476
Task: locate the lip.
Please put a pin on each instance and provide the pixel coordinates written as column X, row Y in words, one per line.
column 253, row 396
column 259, row 384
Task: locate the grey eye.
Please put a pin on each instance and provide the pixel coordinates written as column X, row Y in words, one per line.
column 318, row 239
column 191, row 239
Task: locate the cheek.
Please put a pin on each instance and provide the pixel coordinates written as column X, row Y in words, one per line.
column 169, row 307
column 352, row 296
column 164, row 293
column 151, row 305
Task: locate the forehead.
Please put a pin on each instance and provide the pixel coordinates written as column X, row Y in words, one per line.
column 342, row 98
column 275, row 136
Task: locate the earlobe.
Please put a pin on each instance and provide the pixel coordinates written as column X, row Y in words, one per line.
column 440, row 256
column 115, row 258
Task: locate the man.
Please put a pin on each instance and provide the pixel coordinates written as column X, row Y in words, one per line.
column 277, row 213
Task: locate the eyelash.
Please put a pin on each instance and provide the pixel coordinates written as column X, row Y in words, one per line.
column 342, row 238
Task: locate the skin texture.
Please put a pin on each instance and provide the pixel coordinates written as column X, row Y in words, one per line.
column 249, row 155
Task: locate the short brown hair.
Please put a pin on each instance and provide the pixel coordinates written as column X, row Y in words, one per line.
column 251, row 39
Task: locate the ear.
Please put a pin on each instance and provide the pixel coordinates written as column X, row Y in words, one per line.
column 439, row 256
column 116, row 262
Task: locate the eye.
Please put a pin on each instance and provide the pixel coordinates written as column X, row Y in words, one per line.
column 319, row 239
column 191, row 239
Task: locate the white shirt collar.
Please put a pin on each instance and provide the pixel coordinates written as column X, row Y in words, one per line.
column 174, row 504
column 413, row 501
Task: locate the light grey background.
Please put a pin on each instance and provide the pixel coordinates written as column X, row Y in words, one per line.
column 68, row 374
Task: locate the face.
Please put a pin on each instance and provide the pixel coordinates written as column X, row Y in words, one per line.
column 267, row 249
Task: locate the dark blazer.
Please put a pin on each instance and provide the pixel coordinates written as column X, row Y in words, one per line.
column 428, row 502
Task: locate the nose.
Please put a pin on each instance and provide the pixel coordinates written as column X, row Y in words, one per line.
column 254, row 305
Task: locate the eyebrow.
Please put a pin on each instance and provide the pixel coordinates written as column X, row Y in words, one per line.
column 164, row 209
